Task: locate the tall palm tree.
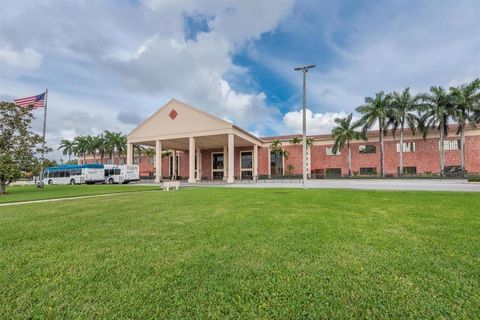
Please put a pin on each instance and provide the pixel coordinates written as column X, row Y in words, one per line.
column 344, row 133
column 81, row 146
column 466, row 101
column 102, row 146
column 68, row 147
column 375, row 110
column 91, row 146
column 116, row 142
column 404, row 111
column 439, row 110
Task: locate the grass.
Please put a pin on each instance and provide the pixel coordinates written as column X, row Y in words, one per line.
column 223, row 253
column 28, row 193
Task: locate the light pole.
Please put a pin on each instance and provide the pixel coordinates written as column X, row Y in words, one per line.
column 304, row 106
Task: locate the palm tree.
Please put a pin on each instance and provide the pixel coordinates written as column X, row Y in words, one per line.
column 404, row 111
column 375, row 110
column 438, row 111
column 101, row 146
column 91, row 146
column 295, row 141
column 81, row 146
column 68, row 147
column 343, row 134
column 466, row 100
column 115, row 142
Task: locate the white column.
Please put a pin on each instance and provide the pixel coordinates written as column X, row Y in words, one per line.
column 231, row 166
column 269, row 164
column 199, row 164
column 158, row 161
column 174, row 165
column 129, row 154
column 225, row 162
column 191, row 160
column 255, row 162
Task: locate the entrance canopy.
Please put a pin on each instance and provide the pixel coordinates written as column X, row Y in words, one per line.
column 178, row 126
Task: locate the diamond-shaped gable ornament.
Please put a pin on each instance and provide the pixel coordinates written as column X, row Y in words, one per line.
column 173, row 114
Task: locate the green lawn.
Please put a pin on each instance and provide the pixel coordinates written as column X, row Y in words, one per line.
column 243, row 253
column 27, row 193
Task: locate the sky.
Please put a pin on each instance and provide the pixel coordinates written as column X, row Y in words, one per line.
column 110, row 64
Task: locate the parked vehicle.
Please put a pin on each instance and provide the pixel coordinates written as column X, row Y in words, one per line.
column 121, row 173
column 74, row 174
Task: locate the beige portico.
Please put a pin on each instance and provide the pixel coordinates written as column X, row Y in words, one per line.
column 180, row 127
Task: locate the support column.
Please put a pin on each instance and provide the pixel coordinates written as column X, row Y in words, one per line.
column 129, row 154
column 231, row 165
column 225, row 162
column 174, row 165
column 199, row 164
column 255, row 162
column 158, row 161
column 191, row 160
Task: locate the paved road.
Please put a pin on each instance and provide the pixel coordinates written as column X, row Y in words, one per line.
column 362, row 184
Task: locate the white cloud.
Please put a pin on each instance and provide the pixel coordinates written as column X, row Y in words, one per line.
column 18, row 61
column 317, row 123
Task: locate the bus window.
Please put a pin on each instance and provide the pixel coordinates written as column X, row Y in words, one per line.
column 62, row 174
column 117, row 171
column 56, row 174
column 67, row 173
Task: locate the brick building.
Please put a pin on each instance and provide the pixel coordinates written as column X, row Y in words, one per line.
column 206, row 146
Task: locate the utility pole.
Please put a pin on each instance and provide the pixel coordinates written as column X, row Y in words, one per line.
column 304, row 106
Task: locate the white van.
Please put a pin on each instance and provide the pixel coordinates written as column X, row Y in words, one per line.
column 121, row 173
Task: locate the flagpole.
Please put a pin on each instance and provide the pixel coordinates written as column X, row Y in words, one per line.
column 43, row 140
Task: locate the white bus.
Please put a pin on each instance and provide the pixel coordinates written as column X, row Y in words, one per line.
column 121, row 173
column 74, row 174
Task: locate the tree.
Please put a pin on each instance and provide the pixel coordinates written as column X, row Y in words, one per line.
column 81, row 146
column 466, row 101
column 344, row 133
column 101, row 146
column 68, row 147
column 296, row 141
column 404, row 111
column 17, row 143
column 438, row 110
column 375, row 110
column 115, row 142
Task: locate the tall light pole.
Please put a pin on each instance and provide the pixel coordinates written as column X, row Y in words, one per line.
column 304, row 69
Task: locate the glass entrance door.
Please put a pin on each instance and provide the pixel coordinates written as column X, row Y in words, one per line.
column 217, row 165
column 246, row 164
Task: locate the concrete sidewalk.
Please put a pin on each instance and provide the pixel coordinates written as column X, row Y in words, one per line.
column 453, row 185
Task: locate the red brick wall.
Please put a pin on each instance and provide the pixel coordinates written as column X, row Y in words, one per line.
column 425, row 158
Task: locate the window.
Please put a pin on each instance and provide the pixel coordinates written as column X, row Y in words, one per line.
column 453, row 169
column 450, row 145
column 408, row 170
column 151, row 159
column 136, row 160
column 333, row 172
column 407, row 147
column 368, row 171
column 329, row 152
column 276, row 164
column 170, row 165
column 56, row 174
column 123, row 161
column 109, row 161
column 369, row 148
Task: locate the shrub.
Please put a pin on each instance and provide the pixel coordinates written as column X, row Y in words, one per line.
column 474, row 179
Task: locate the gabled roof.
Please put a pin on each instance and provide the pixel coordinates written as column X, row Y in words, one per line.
column 176, row 117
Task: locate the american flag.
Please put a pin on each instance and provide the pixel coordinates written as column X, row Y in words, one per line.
column 37, row 101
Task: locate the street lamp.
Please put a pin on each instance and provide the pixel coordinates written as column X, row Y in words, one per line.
column 304, row 141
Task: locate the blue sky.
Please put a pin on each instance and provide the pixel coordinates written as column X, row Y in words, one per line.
column 110, row 64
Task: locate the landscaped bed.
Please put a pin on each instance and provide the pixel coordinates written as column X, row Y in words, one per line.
column 243, row 253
